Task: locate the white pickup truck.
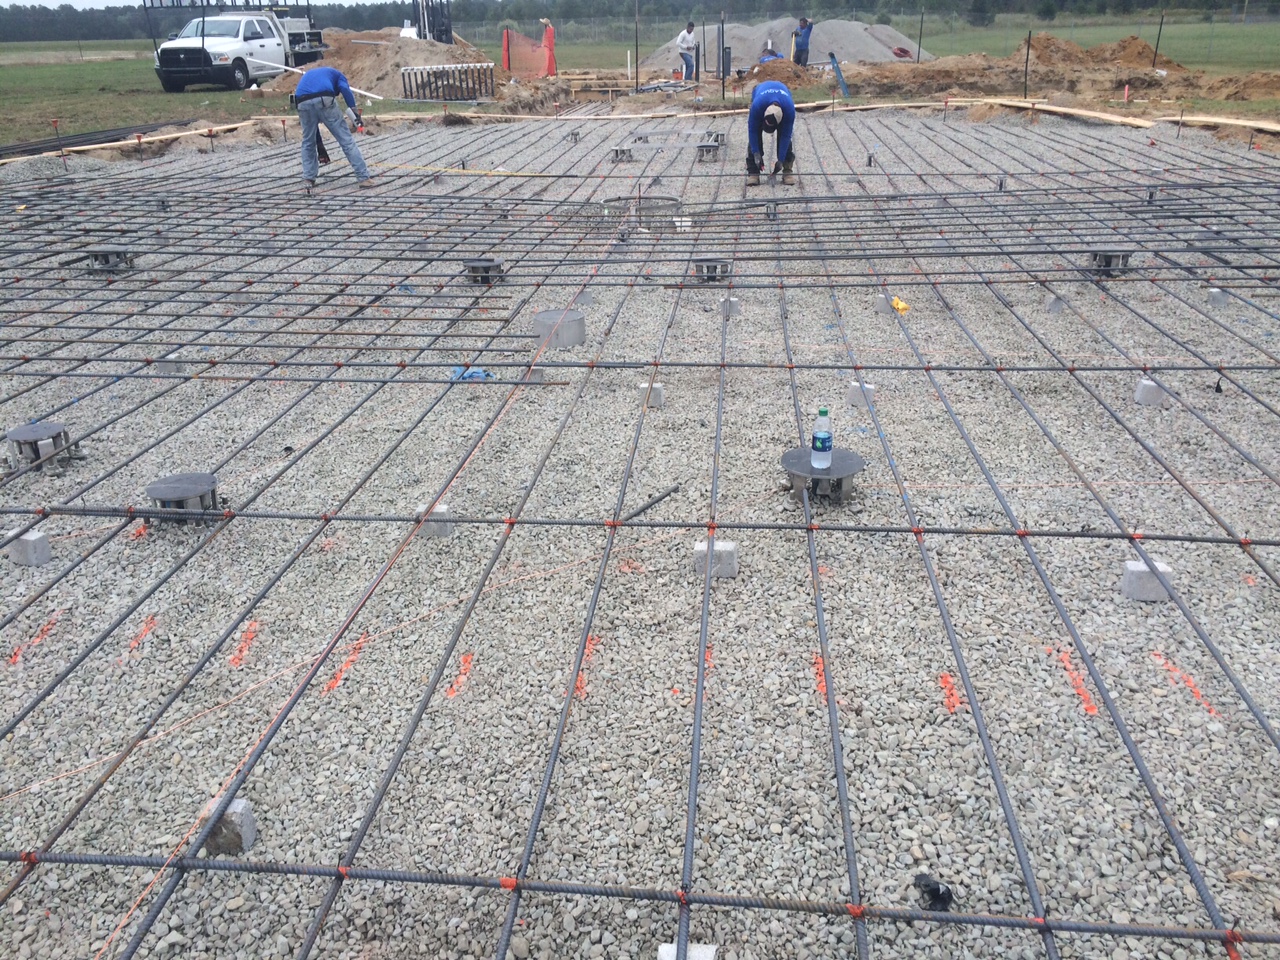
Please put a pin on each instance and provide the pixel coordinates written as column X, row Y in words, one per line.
column 236, row 50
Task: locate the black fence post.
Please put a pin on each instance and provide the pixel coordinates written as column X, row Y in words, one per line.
column 1156, row 52
column 920, row 39
column 1026, row 68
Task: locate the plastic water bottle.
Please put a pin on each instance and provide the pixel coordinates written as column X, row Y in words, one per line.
column 820, row 455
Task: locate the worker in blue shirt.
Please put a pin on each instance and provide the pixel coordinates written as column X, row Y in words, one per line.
column 802, row 41
column 772, row 111
column 317, row 99
column 768, row 53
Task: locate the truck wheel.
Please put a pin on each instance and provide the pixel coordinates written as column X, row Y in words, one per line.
column 239, row 76
column 173, row 86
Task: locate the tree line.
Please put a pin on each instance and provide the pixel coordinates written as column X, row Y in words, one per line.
column 65, row 22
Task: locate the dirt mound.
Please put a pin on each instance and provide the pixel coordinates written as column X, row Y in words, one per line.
column 1131, row 52
column 1050, row 51
column 371, row 60
column 787, row 72
column 1261, row 85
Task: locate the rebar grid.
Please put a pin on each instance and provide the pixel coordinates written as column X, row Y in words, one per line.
column 926, row 222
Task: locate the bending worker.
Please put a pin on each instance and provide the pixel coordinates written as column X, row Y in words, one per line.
column 772, row 111
column 686, row 43
column 317, row 99
column 801, row 34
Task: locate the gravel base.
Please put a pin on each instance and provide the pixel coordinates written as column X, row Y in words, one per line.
column 341, row 281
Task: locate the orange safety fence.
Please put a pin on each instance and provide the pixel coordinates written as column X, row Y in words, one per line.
column 526, row 57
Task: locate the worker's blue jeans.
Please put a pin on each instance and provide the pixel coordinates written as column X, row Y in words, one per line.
column 324, row 110
column 688, row 65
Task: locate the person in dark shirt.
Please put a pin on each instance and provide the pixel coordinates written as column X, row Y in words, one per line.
column 317, row 99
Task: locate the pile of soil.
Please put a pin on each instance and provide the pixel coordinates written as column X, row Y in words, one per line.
column 1131, row 52
column 852, row 41
column 1261, row 85
column 788, row 72
column 371, row 59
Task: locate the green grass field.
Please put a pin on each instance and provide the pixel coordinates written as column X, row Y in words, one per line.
column 39, row 81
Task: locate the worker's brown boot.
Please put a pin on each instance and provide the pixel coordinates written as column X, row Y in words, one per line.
column 753, row 179
column 788, row 175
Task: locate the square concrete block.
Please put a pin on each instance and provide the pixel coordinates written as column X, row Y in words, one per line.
column 439, row 524
column 724, row 564
column 31, row 549
column 536, row 375
column 730, row 307
column 1139, row 583
column 883, row 304
column 1053, row 303
column 861, row 396
column 1151, row 394
column 697, row 951
column 235, row 833
column 654, row 397
column 1218, row 297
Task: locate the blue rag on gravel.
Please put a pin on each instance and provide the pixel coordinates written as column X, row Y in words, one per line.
column 475, row 373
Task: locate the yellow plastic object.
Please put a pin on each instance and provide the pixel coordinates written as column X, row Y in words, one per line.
column 900, row 305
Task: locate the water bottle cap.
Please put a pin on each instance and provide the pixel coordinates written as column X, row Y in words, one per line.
column 822, row 411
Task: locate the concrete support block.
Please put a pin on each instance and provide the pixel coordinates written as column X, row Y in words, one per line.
column 697, row 951
column 235, row 833
column 730, row 307
column 1053, row 303
column 31, row 549
column 724, row 564
column 655, row 397
column 1139, row 583
column 862, row 396
column 439, row 524
column 536, row 375
column 166, row 367
column 1150, row 394
column 1218, row 297
column 560, row 328
column 883, row 304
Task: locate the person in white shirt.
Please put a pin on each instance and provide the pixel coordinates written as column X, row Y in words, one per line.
column 686, row 45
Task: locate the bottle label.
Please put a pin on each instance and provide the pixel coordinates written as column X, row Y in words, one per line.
column 822, row 442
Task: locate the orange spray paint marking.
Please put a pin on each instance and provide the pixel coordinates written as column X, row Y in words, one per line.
column 580, row 682
column 820, row 673
column 1249, row 579
column 1179, row 678
column 951, row 698
column 823, row 571
column 138, row 532
column 460, row 680
column 630, row 566
column 347, row 664
column 246, row 641
column 708, row 658
column 1077, row 680
column 328, row 543
column 148, row 625
column 41, row 634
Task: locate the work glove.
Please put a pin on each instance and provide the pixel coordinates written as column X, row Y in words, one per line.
column 759, row 159
column 777, row 167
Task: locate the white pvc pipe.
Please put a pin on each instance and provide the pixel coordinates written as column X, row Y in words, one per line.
column 363, row 93
column 628, row 64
